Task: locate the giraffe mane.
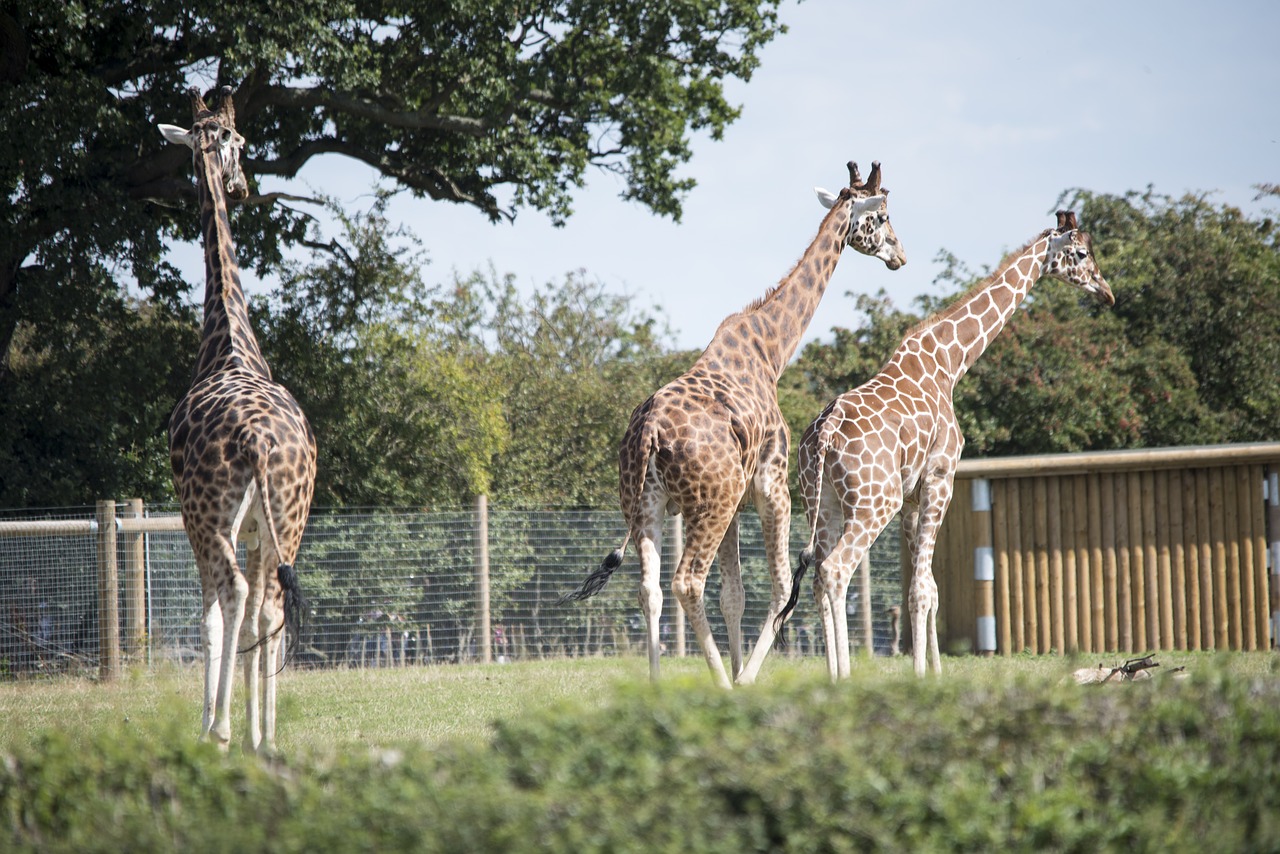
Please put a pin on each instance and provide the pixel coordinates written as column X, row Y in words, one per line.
column 953, row 307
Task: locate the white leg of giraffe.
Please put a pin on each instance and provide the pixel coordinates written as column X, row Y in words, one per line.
column 857, row 536
column 230, row 602
column 702, row 538
column 733, row 596
column 649, row 549
column 773, row 503
column 211, row 652
column 271, row 626
column 250, row 636
column 935, row 498
column 826, row 537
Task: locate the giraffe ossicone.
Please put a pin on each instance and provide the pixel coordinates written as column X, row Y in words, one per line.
column 892, row 444
column 714, row 440
column 243, row 459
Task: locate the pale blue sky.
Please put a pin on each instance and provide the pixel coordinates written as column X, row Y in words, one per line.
column 981, row 114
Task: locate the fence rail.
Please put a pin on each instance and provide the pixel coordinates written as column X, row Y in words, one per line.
column 95, row 588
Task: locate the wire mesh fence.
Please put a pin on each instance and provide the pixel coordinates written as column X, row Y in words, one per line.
column 385, row 588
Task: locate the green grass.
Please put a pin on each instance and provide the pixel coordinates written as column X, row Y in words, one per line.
column 322, row 710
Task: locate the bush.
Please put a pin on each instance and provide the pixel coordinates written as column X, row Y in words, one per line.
column 871, row 764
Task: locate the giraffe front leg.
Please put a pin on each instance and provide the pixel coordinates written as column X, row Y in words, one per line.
column 733, row 596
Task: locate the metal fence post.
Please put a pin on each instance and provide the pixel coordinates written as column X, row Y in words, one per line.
column 482, row 578
column 108, row 591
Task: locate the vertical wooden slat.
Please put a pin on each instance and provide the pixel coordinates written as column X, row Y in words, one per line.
column 1097, row 588
column 1160, row 547
column 1137, row 548
column 1000, row 552
column 1261, row 592
column 1221, row 592
column 1124, row 565
column 1231, row 549
column 1245, row 484
column 1016, row 570
column 1057, row 578
column 1177, row 561
column 1044, row 605
column 1190, row 526
column 1204, row 534
column 1110, row 559
column 1151, row 563
column 1066, row 537
column 1031, row 571
column 1272, row 526
column 1080, row 553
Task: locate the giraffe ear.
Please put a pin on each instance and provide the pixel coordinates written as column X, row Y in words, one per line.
column 870, row 203
column 826, row 198
column 177, row 135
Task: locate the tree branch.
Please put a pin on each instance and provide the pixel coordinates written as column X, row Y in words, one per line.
column 291, row 98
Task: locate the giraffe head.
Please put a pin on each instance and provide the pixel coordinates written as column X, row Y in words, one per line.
column 215, row 131
column 869, row 230
column 1070, row 259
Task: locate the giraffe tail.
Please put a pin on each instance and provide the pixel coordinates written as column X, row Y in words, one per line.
column 257, row 449
column 596, row 581
column 806, row 557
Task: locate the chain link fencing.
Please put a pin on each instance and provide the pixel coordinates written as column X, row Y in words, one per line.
column 385, row 588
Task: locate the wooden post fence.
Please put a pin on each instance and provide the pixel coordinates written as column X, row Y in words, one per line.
column 1116, row 551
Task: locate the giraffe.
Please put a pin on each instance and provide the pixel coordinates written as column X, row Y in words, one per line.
column 243, row 458
column 713, row 439
column 893, row 442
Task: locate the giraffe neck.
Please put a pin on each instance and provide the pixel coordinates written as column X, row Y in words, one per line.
column 767, row 332
column 226, row 339
column 959, row 334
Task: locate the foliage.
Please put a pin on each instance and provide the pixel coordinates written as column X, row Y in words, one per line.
column 402, row 418
column 1003, row 762
column 85, row 410
column 467, row 102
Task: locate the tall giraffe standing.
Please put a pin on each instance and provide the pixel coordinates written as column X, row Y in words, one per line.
column 243, row 457
column 712, row 440
column 893, row 443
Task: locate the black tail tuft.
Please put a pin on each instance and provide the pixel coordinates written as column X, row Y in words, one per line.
column 596, row 581
column 806, row 557
column 294, row 605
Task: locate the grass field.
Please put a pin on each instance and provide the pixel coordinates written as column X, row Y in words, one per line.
column 320, row 710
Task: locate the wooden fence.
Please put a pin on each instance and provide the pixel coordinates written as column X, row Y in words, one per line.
column 1124, row 551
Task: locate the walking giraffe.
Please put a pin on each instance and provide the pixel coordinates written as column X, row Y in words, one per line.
column 243, row 457
column 713, row 439
column 893, row 443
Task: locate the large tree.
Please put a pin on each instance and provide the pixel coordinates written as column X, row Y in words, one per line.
column 491, row 104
